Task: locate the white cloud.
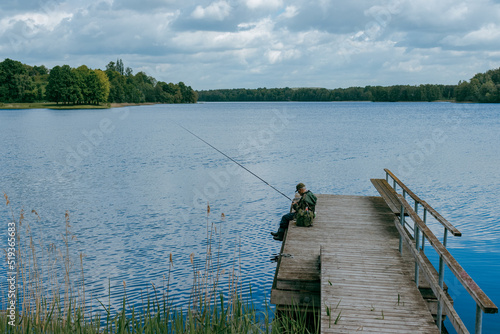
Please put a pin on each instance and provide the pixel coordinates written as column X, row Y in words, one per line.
column 36, row 21
column 488, row 36
column 277, row 56
column 252, row 43
column 253, row 34
column 412, row 65
column 457, row 12
column 266, row 4
column 216, row 11
column 290, row 11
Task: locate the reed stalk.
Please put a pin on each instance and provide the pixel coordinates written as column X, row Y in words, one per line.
column 46, row 306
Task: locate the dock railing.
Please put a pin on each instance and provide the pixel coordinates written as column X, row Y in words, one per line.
column 483, row 303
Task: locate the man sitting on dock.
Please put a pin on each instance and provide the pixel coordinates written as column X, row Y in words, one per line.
column 306, row 202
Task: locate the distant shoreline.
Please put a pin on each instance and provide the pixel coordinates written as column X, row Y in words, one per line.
column 60, row 106
column 54, row 106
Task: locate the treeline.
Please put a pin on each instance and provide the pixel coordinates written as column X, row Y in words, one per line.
column 141, row 88
column 82, row 85
column 368, row 93
column 22, row 83
column 77, row 85
column 483, row 87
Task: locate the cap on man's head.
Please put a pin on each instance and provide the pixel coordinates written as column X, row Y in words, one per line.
column 300, row 186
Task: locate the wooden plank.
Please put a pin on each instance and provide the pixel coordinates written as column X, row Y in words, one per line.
column 377, row 303
column 388, row 194
column 384, row 192
column 363, row 265
column 298, row 285
column 366, row 275
column 298, row 298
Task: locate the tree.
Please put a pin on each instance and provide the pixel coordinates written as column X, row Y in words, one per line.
column 103, row 87
column 488, row 92
column 16, row 83
column 64, row 85
column 111, row 66
column 54, row 87
column 71, row 87
column 81, row 75
column 464, row 92
column 119, row 67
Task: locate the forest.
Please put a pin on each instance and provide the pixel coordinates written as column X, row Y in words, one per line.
column 117, row 84
column 483, row 87
column 22, row 83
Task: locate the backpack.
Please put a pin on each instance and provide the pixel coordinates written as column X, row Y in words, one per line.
column 304, row 217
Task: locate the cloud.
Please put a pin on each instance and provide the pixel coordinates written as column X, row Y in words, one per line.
column 290, row 11
column 251, row 34
column 34, row 22
column 412, row 65
column 215, row 11
column 255, row 43
column 143, row 5
column 276, row 56
column 487, row 37
column 266, row 4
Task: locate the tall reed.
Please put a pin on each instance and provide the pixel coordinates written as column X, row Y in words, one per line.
column 51, row 300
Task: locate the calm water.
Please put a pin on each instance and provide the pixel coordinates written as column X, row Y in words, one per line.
column 136, row 184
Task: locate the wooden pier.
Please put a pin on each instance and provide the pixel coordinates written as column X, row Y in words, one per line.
column 348, row 268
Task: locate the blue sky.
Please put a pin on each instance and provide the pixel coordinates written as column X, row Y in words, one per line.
column 261, row 43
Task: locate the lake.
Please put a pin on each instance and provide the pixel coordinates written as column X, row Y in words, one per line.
column 136, row 184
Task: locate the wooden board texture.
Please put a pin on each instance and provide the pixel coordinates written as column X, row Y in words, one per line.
column 351, row 251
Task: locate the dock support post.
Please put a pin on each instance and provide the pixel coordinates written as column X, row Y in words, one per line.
column 402, row 220
column 439, row 316
column 479, row 319
column 423, row 235
column 441, row 262
column 416, row 232
column 441, row 282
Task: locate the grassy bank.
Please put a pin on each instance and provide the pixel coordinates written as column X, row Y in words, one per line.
column 51, row 105
column 51, row 298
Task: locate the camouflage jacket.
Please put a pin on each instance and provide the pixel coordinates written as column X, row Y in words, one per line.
column 308, row 199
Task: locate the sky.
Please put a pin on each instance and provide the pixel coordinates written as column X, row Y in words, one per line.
column 261, row 43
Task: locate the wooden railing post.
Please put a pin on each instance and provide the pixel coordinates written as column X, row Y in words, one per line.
column 416, row 236
column 423, row 235
column 441, row 281
column 484, row 304
column 402, row 221
column 479, row 319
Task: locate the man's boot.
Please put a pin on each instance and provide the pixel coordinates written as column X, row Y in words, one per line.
column 280, row 234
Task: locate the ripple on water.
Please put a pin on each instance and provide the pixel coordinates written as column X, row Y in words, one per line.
column 141, row 195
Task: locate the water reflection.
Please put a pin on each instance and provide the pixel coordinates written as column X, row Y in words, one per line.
column 138, row 192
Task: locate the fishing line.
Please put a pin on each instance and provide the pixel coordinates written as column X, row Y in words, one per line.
column 236, row 162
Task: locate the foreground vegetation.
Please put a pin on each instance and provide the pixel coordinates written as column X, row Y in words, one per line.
column 20, row 83
column 51, row 296
column 483, row 87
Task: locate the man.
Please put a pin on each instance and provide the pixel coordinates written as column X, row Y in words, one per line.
column 307, row 200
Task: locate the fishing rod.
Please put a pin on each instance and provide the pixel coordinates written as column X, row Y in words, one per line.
column 236, row 162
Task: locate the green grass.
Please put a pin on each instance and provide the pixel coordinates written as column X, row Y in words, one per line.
column 50, row 301
column 51, row 105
